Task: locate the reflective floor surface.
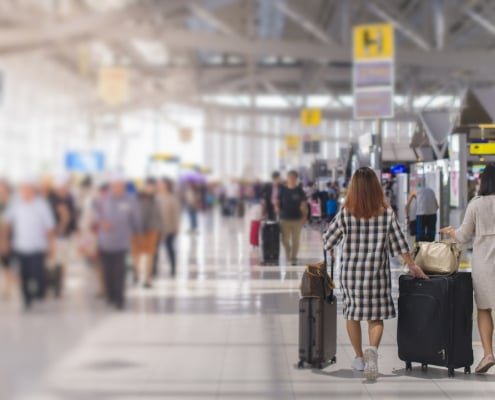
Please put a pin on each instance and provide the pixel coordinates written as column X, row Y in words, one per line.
column 224, row 328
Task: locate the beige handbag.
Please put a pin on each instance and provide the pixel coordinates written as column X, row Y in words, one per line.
column 437, row 258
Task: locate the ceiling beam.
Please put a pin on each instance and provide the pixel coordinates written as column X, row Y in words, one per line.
column 488, row 25
column 300, row 49
column 439, row 23
column 50, row 33
column 303, row 21
column 270, row 88
column 399, row 25
column 29, row 40
column 210, row 18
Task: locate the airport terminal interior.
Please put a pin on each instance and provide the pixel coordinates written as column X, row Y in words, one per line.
column 171, row 170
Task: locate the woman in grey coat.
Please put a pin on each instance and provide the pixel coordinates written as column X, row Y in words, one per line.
column 479, row 226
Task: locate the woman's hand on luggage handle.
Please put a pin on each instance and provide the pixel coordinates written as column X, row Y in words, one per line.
column 416, row 271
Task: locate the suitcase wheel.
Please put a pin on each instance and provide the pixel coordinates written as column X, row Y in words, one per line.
column 333, row 360
column 300, row 364
column 467, row 370
column 424, row 367
column 451, row 373
column 408, row 366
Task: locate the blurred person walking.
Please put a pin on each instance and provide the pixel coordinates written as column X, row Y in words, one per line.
column 410, row 210
column 9, row 277
column 370, row 233
column 30, row 223
column 479, row 225
column 232, row 195
column 293, row 210
column 270, row 196
column 169, row 207
column 332, row 202
column 426, row 213
column 64, row 209
column 191, row 197
column 87, row 241
column 145, row 244
column 118, row 218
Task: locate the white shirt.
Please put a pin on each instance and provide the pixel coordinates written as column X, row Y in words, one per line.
column 426, row 202
column 232, row 190
column 30, row 222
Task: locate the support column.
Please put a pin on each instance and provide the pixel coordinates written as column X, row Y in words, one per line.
column 253, row 147
column 458, row 170
column 376, row 146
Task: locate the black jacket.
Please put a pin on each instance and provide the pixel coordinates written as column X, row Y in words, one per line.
column 267, row 199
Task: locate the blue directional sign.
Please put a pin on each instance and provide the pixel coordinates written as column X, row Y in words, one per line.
column 86, row 161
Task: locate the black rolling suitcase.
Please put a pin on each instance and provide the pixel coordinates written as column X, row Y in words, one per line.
column 318, row 329
column 436, row 321
column 270, row 242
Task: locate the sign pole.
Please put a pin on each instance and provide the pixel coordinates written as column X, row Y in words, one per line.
column 376, row 146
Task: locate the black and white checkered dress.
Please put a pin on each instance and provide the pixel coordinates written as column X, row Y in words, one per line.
column 365, row 271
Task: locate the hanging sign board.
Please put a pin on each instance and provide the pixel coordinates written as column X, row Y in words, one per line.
column 113, row 85
column 311, row 117
column 292, row 142
column 311, row 144
column 84, row 162
column 482, row 148
column 373, row 71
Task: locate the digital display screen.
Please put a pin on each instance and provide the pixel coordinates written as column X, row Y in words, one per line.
column 398, row 169
column 478, row 168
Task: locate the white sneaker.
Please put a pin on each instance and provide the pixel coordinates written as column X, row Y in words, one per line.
column 370, row 364
column 358, row 364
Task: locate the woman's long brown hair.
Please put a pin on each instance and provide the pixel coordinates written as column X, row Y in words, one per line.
column 365, row 197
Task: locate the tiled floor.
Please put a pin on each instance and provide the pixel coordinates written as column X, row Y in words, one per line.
column 225, row 328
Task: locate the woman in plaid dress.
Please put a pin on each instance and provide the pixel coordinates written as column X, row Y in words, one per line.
column 370, row 234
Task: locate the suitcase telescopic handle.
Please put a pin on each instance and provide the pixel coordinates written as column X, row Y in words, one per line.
column 325, row 261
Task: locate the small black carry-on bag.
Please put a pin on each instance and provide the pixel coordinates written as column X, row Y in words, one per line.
column 318, row 317
column 436, row 321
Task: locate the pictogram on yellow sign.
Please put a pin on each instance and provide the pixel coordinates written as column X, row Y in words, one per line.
column 373, row 42
column 311, row 116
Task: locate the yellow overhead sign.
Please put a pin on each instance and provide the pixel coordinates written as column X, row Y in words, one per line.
column 292, row 142
column 164, row 157
column 373, row 42
column 311, row 116
column 482, row 148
